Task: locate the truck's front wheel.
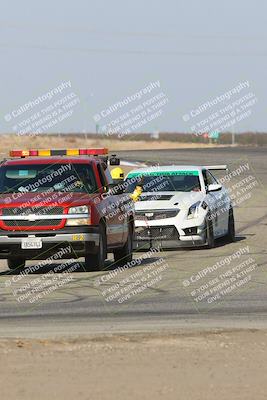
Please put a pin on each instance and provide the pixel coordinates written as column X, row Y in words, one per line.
column 14, row 263
column 96, row 262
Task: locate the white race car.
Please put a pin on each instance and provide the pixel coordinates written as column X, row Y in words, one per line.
column 180, row 206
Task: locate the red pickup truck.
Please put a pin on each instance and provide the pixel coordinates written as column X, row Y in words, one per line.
column 50, row 199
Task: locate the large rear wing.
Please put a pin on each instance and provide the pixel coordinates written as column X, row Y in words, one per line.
column 216, row 167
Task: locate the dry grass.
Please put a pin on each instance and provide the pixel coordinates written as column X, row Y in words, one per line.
column 9, row 142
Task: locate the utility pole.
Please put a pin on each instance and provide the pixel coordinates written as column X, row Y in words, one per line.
column 233, row 138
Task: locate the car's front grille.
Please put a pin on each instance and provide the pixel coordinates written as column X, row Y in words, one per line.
column 168, row 232
column 154, row 197
column 151, row 215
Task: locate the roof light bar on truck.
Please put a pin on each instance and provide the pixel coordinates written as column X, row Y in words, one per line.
column 57, row 152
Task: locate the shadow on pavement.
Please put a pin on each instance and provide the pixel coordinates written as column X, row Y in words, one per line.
column 110, row 265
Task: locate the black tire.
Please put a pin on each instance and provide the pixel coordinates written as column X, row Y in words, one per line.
column 231, row 227
column 96, row 262
column 125, row 254
column 210, row 234
column 15, row 263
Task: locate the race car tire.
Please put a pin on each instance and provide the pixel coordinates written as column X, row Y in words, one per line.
column 15, row 263
column 231, row 227
column 125, row 254
column 209, row 234
column 96, row 262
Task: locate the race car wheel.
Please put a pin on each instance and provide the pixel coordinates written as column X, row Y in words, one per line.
column 15, row 263
column 96, row 262
column 125, row 254
column 210, row 234
column 231, row 227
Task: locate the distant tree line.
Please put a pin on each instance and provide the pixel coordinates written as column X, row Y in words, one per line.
column 244, row 138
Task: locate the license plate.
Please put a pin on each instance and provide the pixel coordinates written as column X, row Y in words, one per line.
column 31, row 243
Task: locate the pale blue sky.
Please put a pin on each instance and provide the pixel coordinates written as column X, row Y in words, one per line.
column 111, row 49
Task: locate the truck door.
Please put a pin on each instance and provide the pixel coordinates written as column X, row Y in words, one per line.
column 111, row 211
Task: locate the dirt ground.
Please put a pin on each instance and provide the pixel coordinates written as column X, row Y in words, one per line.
column 187, row 366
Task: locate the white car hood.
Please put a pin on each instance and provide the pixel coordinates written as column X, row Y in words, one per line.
column 165, row 200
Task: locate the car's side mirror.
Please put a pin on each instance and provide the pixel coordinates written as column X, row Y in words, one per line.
column 214, row 187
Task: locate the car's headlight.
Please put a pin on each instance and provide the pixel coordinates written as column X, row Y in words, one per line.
column 79, row 221
column 79, row 210
column 192, row 212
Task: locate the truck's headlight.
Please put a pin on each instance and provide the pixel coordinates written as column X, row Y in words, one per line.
column 192, row 212
column 79, row 221
column 79, row 210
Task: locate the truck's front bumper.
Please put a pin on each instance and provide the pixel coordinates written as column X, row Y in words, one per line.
column 79, row 240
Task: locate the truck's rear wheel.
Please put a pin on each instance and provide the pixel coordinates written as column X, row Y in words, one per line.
column 125, row 254
column 14, row 263
column 96, row 262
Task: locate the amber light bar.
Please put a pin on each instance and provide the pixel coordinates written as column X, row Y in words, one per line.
column 55, row 152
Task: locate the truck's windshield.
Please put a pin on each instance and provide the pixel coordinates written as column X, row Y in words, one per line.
column 45, row 177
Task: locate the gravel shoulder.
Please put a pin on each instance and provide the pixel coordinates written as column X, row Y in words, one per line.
column 186, row 365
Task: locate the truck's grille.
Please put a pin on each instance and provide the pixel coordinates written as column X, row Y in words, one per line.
column 43, row 222
column 157, row 233
column 155, row 214
column 37, row 211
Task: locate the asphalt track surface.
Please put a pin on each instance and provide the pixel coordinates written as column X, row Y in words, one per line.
column 81, row 306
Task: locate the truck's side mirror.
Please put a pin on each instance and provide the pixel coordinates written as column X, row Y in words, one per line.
column 113, row 160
